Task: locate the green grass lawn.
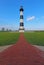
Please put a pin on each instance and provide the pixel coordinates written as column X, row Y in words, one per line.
column 7, row 38
column 35, row 38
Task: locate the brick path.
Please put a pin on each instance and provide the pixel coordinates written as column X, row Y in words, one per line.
column 22, row 53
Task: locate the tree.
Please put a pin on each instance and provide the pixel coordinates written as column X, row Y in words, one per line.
column 3, row 29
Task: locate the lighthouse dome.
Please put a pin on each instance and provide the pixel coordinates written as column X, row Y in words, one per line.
column 21, row 8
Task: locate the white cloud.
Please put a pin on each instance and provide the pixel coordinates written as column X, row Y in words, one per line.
column 43, row 17
column 30, row 18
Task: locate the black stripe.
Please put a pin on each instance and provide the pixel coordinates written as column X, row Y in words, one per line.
column 21, row 16
column 21, row 29
column 21, row 24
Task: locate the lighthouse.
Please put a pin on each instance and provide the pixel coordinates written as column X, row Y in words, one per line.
column 21, row 28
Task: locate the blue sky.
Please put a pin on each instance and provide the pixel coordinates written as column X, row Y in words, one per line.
column 33, row 14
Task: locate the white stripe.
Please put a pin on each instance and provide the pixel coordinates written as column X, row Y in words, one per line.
column 21, row 13
column 21, row 27
column 21, row 20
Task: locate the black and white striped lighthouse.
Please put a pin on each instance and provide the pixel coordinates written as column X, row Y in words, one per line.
column 21, row 29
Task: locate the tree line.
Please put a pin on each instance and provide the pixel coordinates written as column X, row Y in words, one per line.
column 3, row 29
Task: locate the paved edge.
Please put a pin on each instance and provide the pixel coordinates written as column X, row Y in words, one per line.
column 39, row 47
column 2, row 48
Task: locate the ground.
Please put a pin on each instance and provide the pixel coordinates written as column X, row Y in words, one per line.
column 22, row 53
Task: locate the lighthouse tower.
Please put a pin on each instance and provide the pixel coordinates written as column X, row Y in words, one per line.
column 21, row 29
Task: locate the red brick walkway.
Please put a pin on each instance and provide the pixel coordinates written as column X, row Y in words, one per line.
column 22, row 54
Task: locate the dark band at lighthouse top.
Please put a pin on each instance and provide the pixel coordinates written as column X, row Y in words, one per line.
column 21, row 9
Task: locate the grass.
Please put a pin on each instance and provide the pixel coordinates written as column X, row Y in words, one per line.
column 35, row 38
column 7, row 38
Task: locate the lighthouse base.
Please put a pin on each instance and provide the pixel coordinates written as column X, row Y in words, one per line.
column 21, row 30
